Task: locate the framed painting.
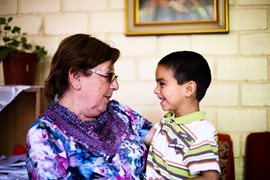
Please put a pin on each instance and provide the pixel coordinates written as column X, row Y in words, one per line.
column 160, row 17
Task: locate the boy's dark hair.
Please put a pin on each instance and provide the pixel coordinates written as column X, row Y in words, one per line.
column 189, row 66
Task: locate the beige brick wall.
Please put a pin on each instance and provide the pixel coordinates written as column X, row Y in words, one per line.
column 238, row 100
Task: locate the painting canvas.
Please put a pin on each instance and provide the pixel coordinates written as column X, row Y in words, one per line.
column 144, row 17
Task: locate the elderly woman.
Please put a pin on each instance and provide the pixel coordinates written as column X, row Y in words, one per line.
column 83, row 134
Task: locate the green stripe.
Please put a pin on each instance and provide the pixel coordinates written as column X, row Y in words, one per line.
column 177, row 171
column 201, row 149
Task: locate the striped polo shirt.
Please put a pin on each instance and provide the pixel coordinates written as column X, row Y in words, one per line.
column 182, row 147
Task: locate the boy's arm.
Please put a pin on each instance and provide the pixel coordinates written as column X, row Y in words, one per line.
column 148, row 139
column 207, row 175
column 150, row 136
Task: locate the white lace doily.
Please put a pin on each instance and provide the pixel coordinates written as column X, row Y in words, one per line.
column 8, row 93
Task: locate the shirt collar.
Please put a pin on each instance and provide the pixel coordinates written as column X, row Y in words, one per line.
column 195, row 116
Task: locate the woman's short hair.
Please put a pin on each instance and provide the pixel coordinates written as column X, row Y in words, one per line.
column 78, row 52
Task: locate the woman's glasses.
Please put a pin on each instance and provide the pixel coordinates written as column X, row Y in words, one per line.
column 111, row 76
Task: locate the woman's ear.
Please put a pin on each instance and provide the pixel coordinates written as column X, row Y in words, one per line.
column 74, row 79
column 191, row 88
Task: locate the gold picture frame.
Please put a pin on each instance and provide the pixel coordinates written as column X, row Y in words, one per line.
column 141, row 17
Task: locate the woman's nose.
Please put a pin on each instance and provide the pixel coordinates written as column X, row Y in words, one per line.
column 115, row 84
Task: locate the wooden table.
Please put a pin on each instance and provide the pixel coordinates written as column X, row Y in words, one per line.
column 17, row 116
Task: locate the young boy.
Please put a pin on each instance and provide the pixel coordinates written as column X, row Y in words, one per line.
column 184, row 145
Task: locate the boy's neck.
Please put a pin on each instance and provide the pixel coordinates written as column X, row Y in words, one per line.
column 188, row 110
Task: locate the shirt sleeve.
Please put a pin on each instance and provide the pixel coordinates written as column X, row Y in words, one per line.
column 46, row 158
column 203, row 155
column 141, row 124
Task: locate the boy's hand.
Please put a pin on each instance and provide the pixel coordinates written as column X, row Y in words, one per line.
column 208, row 175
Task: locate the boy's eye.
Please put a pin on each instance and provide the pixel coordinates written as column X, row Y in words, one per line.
column 161, row 83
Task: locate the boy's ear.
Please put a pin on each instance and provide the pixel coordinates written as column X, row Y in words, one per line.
column 74, row 78
column 191, row 88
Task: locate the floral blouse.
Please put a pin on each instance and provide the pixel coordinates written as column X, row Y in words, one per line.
column 61, row 146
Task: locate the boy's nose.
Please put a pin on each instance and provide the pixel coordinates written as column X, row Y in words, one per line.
column 156, row 91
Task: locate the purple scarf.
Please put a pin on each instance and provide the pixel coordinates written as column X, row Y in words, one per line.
column 103, row 134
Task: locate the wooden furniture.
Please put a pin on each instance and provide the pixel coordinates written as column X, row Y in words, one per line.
column 257, row 156
column 17, row 116
column 226, row 157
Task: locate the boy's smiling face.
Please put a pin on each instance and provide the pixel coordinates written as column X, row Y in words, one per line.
column 171, row 94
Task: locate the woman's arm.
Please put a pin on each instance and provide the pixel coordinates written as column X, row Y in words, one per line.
column 46, row 158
